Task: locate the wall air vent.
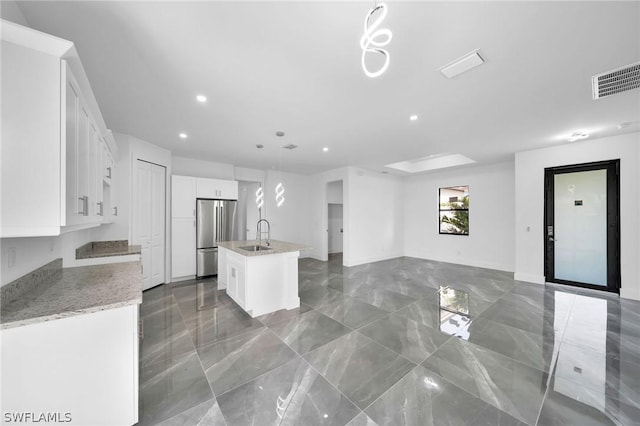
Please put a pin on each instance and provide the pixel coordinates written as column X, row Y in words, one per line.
column 290, row 146
column 616, row 81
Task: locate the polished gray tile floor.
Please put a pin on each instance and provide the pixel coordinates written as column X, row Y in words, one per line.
column 399, row 342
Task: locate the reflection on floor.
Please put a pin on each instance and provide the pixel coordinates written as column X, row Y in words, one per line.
column 398, row 342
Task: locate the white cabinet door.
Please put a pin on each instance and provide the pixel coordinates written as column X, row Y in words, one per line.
column 183, row 196
column 183, row 247
column 216, row 188
column 228, row 189
column 85, row 365
column 207, row 188
column 75, row 200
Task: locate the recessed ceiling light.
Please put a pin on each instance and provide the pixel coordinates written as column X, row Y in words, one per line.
column 576, row 136
column 259, row 146
column 279, row 133
column 413, row 117
column 325, row 149
column 182, row 135
column 201, row 98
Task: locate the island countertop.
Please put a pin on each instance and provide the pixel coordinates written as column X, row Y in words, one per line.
column 276, row 247
column 76, row 291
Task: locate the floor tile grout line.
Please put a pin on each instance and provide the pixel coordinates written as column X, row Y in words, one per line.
column 204, row 372
column 264, row 373
column 301, row 358
column 553, row 368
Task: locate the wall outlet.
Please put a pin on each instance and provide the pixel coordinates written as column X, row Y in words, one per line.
column 11, row 258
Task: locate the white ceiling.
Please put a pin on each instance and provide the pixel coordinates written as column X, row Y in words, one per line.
column 295, row 66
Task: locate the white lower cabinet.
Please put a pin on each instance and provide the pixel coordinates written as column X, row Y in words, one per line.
column 183, row 248
column 82, row 368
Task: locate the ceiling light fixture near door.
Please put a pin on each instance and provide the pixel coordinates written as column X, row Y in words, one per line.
column 576, row 136
column 462, row 64
column 413, row 117
column 183, row 135
column 373, row 40
column 325, row 149
column 201, row 98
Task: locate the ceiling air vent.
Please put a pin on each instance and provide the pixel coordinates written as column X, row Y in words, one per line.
column 290, row 146
column 616, row 81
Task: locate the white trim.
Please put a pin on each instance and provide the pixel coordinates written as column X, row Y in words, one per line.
column 466, row 262
column 530, row 278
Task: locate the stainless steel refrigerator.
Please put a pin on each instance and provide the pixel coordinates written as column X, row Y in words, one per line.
column 216, row 221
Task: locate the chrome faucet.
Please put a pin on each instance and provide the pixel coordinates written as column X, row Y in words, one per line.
column 259, row 231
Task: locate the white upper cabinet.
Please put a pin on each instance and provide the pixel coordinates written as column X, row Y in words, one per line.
column 51, row 172
column 216, row 188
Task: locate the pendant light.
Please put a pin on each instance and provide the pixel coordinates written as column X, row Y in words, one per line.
column 371, row 39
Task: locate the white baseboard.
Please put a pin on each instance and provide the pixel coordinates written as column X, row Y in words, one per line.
column 530, row 278
column 461, row 261
column 371, row 259
column 178, row 279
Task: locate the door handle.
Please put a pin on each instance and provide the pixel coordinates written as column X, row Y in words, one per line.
column 553, row 240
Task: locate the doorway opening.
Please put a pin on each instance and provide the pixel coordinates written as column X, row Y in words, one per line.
column 248, row 213
column 582, row 225
column 335, row 222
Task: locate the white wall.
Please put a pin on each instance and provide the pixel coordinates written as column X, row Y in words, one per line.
column 9, row 10
column 32, row 253
column 200, row 168
column 529, row 180
column 291, row 221
column 491, row 217
column 334, row 192
column 374, row 217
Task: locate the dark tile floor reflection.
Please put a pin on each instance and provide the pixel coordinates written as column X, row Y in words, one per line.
column 398, row 342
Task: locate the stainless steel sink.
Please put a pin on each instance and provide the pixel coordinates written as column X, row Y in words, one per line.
column 255, row 248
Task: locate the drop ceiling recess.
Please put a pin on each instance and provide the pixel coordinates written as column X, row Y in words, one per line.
column 616, row 81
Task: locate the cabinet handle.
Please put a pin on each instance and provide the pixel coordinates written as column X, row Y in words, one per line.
column 101, row 206
column 115, row 211
column 85, row 205
column 108, row 172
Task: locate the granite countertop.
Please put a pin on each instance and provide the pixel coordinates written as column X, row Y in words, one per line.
column 106, row 248
column 276, row 247
column 74, row 291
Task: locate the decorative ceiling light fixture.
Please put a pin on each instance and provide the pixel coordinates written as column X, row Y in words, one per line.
column 279, row 194
column 371, row 33
column 259, row 197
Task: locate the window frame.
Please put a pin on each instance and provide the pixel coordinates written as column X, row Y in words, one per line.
column 441, row 210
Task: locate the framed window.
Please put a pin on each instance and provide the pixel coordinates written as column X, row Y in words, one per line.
column 454, row 210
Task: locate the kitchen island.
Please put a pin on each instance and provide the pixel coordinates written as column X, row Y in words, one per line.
column 260, row 278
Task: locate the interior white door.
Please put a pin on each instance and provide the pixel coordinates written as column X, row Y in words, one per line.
column 150, row 212
column 157, row 224
column 335, row 228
